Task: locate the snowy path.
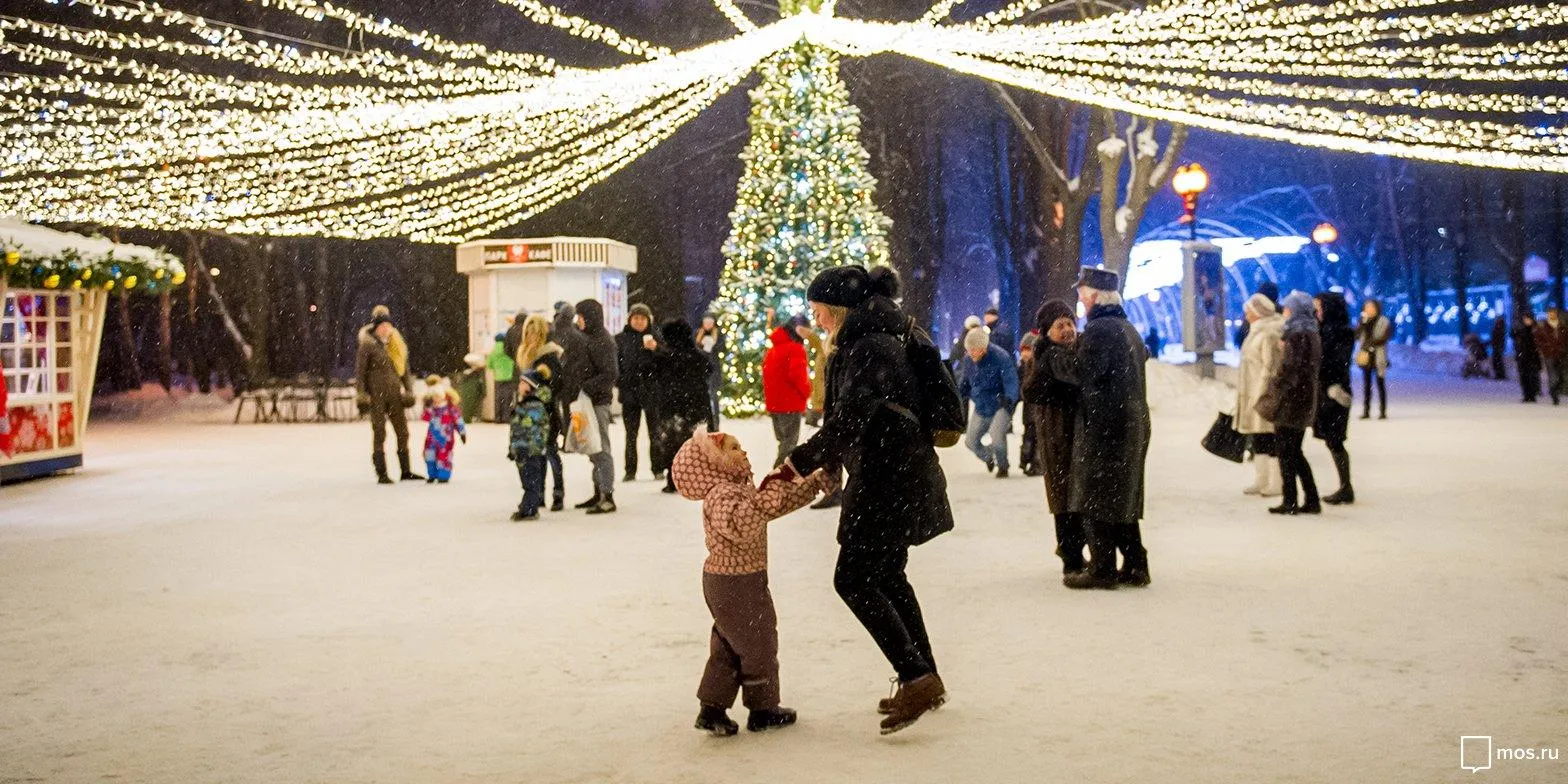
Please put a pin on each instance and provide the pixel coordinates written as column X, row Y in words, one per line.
column 241, row 603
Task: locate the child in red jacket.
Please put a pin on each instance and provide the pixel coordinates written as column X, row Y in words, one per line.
column 743, row 649
column 786, row 384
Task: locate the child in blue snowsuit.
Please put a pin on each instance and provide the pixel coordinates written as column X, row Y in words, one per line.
column 529, row 443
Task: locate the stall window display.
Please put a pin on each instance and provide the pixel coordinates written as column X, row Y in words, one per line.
column 54, row 290
column 36, row 352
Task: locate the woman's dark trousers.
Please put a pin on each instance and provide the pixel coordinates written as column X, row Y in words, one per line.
column 872, row 583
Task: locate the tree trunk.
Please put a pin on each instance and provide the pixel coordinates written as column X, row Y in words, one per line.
column 165, row 337
column 1393, row 220
column 1002, row 249
column 1416, row 280
column 259, row 298
column 1148, row 169
column 1560, row 253
column 1507, row 234
column 1462, row 249
column 320, row 320
column 1047, row 129
column 131, row 370
column 195, row 347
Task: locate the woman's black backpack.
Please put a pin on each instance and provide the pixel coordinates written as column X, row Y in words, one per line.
column 941, row 409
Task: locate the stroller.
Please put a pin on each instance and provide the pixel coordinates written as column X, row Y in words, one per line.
column 1475, row 359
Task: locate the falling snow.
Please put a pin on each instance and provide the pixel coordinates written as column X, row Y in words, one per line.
column 217, row 602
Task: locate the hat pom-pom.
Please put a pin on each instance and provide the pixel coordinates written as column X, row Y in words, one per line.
column 884, row 281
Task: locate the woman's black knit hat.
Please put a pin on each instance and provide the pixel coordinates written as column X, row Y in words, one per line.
column 1052, row 310
column 848, row 287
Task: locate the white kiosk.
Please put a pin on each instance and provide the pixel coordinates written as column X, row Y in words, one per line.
column 510, row 275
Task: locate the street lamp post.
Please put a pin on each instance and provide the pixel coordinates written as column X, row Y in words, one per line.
column 1190, row 182
column 1323, row 236
column 1203, row 276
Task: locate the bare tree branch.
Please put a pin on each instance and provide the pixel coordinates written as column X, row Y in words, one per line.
column 1037, row 146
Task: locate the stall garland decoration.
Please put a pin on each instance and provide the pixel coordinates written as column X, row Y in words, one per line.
column 70, row 269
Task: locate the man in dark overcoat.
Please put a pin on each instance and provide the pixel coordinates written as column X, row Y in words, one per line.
column 1112, row 437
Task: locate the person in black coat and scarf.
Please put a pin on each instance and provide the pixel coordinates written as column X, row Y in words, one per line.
column 1527, row 359
column 1332, row 422
column 567, row 386
column 1111, row 437
column 680, row 387
column 596, row 368
column 895, row 496
column 1051, row 389
column 1500, row 349
column 1291, row 402
column 634, row 351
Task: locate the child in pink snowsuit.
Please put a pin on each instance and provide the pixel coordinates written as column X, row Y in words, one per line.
column 445, row 416
column 743, row 650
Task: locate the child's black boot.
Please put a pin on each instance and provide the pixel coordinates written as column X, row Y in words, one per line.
column 716, row 722
column 770, row 719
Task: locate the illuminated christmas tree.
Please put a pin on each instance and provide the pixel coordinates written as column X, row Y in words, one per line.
column 804, row 205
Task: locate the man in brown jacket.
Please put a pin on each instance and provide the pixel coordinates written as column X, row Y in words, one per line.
column 385, row 390
column 1551, row 342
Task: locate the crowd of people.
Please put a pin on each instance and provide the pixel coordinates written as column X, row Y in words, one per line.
column 1539, row 346
column 854, row 369
column 555, row 377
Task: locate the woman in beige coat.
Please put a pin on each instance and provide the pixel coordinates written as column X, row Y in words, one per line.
column 1260, row 360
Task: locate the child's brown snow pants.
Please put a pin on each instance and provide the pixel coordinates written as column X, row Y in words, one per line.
column 743, row 651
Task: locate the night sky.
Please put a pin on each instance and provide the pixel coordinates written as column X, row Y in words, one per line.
column 673, row 203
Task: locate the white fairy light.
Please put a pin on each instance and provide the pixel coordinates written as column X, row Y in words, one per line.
column 735, row 15
column 125, row 128
column 940, row 11
column 582, row 28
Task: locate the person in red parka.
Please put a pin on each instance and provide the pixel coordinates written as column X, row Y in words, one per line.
column 786, row 385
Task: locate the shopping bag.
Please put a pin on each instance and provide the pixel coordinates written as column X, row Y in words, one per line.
column 582, row 431
column 1222, row 439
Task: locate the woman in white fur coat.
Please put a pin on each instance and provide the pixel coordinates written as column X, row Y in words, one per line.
column 1260, row 359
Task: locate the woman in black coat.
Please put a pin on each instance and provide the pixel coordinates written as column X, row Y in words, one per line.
column 896, row 494
column 680, row 394
column 1291, row 402
column 1051, row 389
column 1332, row 422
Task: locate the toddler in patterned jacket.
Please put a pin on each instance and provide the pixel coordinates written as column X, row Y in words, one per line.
column 743, row 649
column 445, row 416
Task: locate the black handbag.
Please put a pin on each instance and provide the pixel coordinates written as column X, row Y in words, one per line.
column 1222, row 439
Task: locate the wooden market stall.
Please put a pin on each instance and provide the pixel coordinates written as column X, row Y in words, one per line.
column 53, row 295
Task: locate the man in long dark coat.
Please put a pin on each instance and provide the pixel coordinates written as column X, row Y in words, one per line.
column 1112, row 438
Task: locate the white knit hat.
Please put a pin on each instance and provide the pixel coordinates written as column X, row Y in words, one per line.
column 976, row 339
column 972, row 322
column 1261, row 305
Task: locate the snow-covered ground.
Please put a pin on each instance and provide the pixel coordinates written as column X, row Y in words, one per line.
column 212, row 602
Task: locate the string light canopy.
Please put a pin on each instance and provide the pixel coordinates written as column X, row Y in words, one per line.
column 134, row 114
